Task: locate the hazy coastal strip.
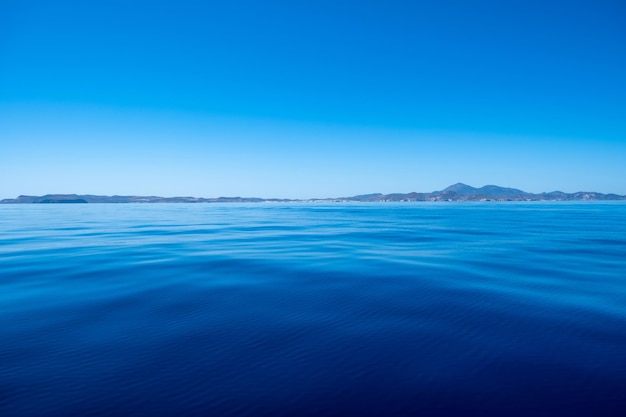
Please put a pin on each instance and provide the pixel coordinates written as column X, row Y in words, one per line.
column 456, row 192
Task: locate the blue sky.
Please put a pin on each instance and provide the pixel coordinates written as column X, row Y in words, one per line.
column 310, row 99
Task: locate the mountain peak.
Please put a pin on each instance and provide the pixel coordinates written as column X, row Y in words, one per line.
column 459, row 188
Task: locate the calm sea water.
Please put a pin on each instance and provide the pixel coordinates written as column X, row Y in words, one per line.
column 490, row 309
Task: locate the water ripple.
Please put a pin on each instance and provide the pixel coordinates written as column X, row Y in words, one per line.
column 272, row 309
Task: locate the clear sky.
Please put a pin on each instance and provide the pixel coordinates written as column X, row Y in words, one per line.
column 301, row 99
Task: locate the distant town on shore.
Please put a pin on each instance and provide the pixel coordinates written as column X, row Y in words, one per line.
column 456, row 192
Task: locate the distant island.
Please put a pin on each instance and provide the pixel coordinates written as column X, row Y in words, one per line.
column 456, row 192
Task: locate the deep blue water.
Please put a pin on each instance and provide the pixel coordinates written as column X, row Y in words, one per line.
column 490, row 309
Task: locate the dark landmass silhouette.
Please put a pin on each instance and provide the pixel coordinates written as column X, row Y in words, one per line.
column 456, row 192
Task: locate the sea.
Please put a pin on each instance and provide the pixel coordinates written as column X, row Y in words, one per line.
column 313, row 309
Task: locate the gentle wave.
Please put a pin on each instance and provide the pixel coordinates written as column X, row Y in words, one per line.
column 306, row 309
